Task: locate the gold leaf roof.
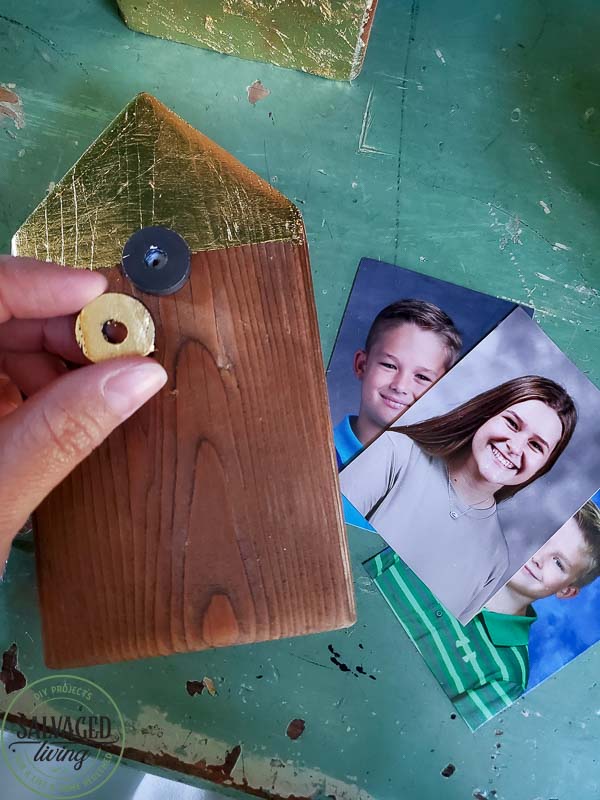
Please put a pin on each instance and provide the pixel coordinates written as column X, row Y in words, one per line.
column 149, row 167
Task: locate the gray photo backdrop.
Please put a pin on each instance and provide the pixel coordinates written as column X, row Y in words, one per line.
column 519, row 347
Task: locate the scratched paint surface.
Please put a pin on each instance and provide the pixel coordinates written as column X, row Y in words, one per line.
column 469, row 149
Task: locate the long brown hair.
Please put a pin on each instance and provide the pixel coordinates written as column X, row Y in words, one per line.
column 450, row 433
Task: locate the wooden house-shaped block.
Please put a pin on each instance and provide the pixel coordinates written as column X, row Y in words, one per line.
column 211, row 517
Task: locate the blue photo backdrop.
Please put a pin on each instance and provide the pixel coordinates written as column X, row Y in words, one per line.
column 564, row 629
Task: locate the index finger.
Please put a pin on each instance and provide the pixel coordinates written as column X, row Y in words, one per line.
column 31, row 289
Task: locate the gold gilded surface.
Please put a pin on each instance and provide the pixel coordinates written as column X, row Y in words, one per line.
column 114, row 307
column 149, row 167
column 326, row 37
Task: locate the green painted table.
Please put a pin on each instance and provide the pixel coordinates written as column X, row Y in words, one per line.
column 469, row 148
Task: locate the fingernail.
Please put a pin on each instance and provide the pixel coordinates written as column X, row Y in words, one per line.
column 10, row 397
column 126, row 389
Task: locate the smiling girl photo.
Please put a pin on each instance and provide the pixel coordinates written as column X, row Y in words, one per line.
column 485, row 467
column 431, row 489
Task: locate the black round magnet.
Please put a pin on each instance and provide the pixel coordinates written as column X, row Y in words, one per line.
column 156, row 260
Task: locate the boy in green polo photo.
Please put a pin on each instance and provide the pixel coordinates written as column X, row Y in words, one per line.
column 483, row 666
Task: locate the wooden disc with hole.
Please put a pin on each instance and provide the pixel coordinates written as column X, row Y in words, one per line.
column 118, row 309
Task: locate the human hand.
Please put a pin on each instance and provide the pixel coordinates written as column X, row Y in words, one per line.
column 67, row 413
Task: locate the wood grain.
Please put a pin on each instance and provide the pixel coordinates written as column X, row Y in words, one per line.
column 212, row 517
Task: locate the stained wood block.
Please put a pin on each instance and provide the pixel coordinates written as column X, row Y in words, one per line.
column 212, row 517
column 325, row 37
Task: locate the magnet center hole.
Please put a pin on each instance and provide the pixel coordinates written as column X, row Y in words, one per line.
column 155, row 258
column 114, row 332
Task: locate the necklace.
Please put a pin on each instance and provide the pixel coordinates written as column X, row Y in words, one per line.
column 454, row 502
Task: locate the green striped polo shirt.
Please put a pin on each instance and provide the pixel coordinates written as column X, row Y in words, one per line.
column 482, row 666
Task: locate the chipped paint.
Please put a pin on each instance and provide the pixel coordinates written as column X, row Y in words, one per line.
column 197, row 687
column 10, row 675
column 295, row 729
column 257, row 91
column 11, row 107
column 199, row 755
column 510, row 230
column 589, row 292
column 231, row 766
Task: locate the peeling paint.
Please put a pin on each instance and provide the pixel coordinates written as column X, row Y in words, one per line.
column 588, row 291
column 257, row 91
column 7, row 96
column 11, row 106
column 511, row 230
column 267, row 776
column 295, row 729
column 197, row 687
column 216, row 773
column 12, row 677
column 216, row 761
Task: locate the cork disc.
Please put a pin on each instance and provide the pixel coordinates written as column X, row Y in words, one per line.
column 114, row 325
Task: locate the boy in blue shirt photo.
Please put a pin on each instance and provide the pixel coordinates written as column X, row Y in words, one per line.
column 410, row 345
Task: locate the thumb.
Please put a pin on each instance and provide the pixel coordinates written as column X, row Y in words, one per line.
column 59, row 426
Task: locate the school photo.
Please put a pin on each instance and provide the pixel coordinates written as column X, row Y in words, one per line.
column 480, row 472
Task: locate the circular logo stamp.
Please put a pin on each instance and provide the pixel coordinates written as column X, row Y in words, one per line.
column 61, row 722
